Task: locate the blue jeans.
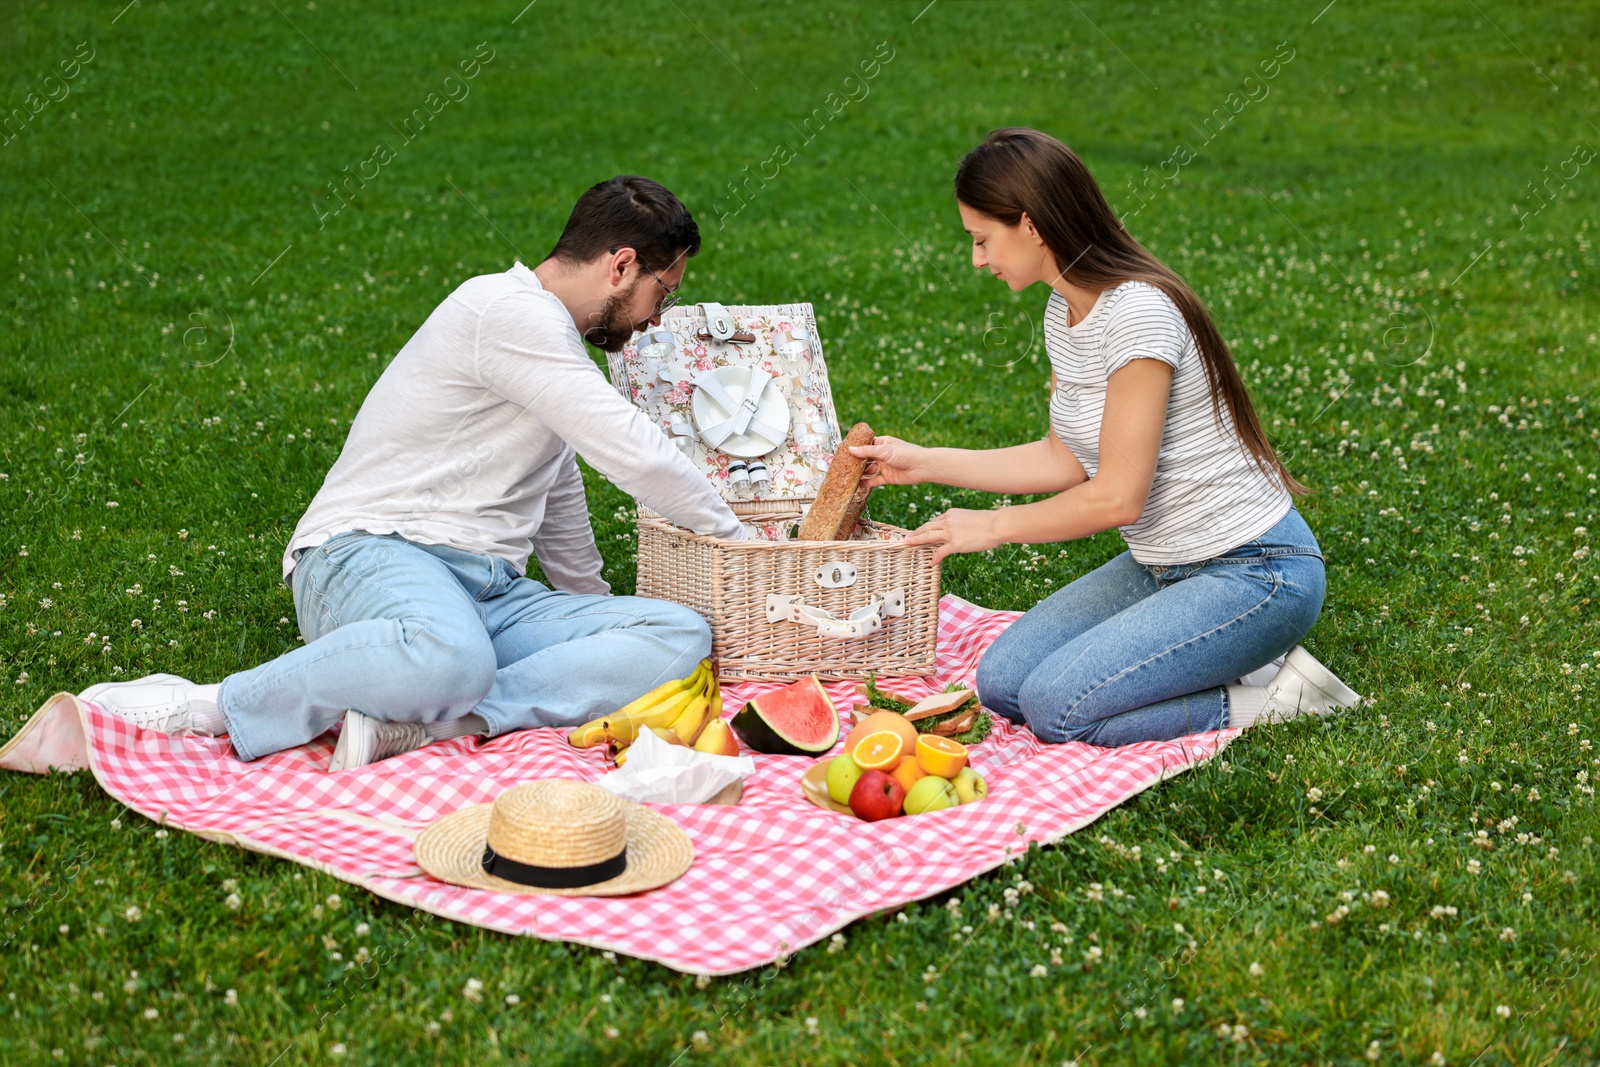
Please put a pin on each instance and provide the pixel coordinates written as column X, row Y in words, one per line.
column 1134, row 653
column 408, row 632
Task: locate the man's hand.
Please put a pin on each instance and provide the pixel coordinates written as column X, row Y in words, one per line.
column 891, row 461
column 958, row 530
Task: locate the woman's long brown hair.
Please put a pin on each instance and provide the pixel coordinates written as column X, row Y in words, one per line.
column 1019, row 170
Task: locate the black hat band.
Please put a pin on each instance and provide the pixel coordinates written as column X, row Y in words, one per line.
column 553, row 877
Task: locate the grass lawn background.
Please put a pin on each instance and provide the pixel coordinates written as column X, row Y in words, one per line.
column 1395, row 232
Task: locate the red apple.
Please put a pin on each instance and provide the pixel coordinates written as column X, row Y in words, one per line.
column 877, row 796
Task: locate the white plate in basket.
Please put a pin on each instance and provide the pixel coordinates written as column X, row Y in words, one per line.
column 773, row 411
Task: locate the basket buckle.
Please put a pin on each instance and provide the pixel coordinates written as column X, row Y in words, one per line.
column 836, row 575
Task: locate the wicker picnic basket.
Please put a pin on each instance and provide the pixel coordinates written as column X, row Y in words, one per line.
column 779, row 608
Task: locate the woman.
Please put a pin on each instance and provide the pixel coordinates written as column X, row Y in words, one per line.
column 1151, row 431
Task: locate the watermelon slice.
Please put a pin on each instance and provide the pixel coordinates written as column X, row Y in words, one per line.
column 797, row 720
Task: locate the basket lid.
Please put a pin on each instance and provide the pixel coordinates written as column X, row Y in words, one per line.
column 743, row 391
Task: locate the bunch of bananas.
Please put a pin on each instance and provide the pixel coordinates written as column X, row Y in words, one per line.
column 677, row 711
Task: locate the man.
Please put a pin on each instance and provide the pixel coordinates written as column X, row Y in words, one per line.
column 407, row 566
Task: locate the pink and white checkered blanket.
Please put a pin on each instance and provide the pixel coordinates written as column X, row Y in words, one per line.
column 771, row 875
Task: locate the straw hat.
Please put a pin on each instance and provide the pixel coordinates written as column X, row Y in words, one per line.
column 556, row 838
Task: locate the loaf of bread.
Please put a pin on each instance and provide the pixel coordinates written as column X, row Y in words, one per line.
column 841, row 499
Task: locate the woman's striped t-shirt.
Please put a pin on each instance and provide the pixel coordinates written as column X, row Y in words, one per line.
column 1208, row 494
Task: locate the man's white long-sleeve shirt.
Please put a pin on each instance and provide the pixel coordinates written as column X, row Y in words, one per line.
column 469, row 439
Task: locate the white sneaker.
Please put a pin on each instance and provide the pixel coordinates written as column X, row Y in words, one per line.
column 92, row 694
column 161, row 702
column 1304, row 686
column 367, row 740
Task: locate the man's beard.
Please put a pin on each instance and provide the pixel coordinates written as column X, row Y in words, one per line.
column 611, row 328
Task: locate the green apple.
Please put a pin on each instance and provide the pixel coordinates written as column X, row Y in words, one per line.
column 970, row 786
column 843, row 773
column 930, row 793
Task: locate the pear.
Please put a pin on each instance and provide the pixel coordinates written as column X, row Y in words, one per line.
column 666, row 734
column 717, row 739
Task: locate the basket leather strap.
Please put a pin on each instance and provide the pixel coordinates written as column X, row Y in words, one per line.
column 718, row 322
column 863, row 622
column 682, row 434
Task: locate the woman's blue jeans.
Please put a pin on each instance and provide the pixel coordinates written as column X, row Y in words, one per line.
column 408, row 632
column 1133, row 653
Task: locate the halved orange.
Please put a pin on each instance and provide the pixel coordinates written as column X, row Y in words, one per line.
column 940, row 755
column 879, row 751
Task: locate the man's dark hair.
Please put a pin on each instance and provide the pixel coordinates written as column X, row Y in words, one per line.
column 628, row 212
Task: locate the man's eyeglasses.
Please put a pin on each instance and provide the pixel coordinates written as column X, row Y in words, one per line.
column 668, row 301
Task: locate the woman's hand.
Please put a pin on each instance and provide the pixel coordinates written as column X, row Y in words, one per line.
column 958, row 530
column 891, row 461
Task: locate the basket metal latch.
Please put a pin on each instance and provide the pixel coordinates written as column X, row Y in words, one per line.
column 863, row 622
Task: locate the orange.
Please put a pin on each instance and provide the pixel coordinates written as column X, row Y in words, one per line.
column 883, row 720
column 940, row 755
column 907, row 772
column 879, row 751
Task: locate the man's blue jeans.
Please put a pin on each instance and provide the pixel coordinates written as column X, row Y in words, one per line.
column 1133, row 653
column 408, row 632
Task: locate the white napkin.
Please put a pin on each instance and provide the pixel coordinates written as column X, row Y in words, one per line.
column 660, row 773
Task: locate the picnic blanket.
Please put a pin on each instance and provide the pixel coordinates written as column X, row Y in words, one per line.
column 771, row 875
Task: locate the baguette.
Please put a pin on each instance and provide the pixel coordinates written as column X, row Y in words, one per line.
column 826, row 519
column 853, row 513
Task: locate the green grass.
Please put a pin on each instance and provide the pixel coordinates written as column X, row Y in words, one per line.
column 1423, row 358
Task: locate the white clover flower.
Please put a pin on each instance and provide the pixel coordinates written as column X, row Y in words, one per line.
column 1256, row 970
column 133, row 913
column 1038, row 970
column 473, row 990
